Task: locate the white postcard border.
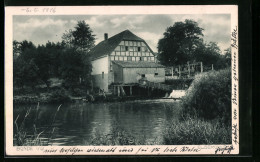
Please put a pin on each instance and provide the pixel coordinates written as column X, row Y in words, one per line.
column 119, row 150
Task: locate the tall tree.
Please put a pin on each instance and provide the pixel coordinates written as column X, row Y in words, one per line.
column 179, row 42
column 75, row 62
column 83, row 37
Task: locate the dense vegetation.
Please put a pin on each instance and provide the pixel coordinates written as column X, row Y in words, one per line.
column 67, row 61
column 184, row 42
column 209, row 96
column 205, row 111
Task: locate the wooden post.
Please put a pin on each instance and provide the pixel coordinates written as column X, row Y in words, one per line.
column 131, row 91
column 118, row 91
column 212, row 68
column 179, row 71
column 114, row 90
column 201, row 67
column 122, row 90
column 172, row 72
column 188, row 69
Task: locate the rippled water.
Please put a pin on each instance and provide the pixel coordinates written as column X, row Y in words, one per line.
column 78, row 123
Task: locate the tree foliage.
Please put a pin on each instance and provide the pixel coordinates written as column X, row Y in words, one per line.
column 81, row 38
column 68, row 60
column 183, row 42
column 179, row 42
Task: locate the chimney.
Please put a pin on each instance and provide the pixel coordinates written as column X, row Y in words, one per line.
column 105, row 36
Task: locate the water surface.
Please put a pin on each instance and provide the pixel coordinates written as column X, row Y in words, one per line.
column 78, row 123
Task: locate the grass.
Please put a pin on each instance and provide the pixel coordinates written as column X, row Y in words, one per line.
column 205, row 112
column 24, row 138
column 194, row 131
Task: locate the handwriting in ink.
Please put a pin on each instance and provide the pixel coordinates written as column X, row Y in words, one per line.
column 234, row 38
column 234, row 132
column 235, row 114
column 37, row 10
column 223, row 149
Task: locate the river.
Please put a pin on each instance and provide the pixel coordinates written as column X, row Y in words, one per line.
column 79, row 123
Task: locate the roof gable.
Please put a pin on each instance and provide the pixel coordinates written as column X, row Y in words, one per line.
column 107, row 46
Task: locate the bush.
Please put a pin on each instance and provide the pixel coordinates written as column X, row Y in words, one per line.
column 59, row 96
column 209, row 96
column 196, row 131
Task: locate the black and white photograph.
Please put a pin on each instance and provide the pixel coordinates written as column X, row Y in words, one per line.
column 128, row 80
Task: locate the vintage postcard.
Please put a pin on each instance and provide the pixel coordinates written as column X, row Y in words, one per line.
column 121, row 80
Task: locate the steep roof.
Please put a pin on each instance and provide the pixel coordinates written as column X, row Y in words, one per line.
column 107, row 46
column 140, row 64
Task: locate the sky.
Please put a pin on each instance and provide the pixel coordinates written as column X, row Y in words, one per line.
column 42, row 28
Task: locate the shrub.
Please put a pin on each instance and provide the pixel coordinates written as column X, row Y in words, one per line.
column 209, row 96
column 59, row 96
column 197, row 131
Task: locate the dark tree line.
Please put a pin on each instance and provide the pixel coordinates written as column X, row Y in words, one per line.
column 184, row 42
column 66, row 60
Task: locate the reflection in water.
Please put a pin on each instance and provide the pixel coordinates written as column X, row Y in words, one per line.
column 78, row 123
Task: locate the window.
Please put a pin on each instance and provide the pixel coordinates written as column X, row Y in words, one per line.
column 148, row 59
column 141, row 59
column 122, row 53
column 145, row 58
column 130, row 43
column 143, row 75
column 152, row 58
column 116, row 58
column 138, row 49
column 103, row 75
column 139, row 54
column 131, row 53
column 125, row 58
column 126, row 48
column 129, row 58
column 135, row 53
column 133, row 59
column 131, row 49
column 118, row 53
column 112, row 58
column 155, row 74
column 127, row 53
column 122, row 48
column 121, row 58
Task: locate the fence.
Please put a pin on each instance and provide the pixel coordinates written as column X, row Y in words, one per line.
column 188, row 70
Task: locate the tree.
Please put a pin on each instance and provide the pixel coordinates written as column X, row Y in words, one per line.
column 16, row 49
column 179, row 42
column 75, row 62
column 68, row 39
column 83, row 37
column 72, row 67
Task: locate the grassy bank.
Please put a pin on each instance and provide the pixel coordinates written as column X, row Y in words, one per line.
column 205, row 112
column 197, row 131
